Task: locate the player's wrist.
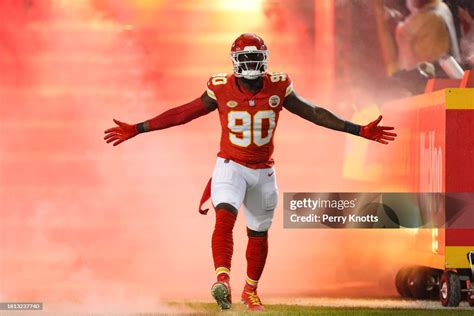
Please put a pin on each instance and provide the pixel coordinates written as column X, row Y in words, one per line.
column 142, row 127
column 352, row 128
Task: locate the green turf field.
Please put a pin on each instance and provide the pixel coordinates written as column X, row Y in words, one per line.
column 280, row 309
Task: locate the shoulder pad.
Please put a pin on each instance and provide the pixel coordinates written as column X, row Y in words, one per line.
column 215, row 82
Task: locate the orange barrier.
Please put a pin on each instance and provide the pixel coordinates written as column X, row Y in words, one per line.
column 434, row 152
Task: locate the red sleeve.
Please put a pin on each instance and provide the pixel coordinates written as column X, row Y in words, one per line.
column 282, row 82
column 175, row 116
column 289, row 87
column 287, row 84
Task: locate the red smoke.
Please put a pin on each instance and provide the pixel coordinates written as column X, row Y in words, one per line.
column 100, row 228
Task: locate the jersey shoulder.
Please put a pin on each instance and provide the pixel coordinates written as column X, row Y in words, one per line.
column 280, row 81
column 217, row 83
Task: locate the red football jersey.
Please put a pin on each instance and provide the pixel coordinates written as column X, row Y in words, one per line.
column 249, row 121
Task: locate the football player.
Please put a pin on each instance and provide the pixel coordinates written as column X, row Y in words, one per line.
column 249, row 102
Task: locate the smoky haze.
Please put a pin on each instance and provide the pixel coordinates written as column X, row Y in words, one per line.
column 88, row 226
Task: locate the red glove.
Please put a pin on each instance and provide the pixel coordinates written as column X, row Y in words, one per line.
column 175, row 116
column 378, row 133
column 120, row 133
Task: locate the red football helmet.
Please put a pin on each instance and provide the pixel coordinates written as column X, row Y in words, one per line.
column 249, row 55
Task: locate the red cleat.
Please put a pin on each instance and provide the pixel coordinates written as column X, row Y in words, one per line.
column 251, row 299
column 221, row 292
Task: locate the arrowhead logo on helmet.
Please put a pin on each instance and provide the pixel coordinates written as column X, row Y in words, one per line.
column 249, row 56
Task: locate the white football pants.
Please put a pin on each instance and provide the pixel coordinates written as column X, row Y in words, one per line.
column 256, row 189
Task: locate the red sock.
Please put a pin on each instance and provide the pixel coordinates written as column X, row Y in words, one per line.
column 257, row 250
column 222, row 241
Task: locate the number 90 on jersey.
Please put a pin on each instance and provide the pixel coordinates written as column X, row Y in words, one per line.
column 245, row 128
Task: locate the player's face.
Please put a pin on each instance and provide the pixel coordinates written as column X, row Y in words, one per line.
column 249, row 64
column 251, row 60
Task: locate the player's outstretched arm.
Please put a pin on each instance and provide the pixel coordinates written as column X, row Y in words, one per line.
column 320, row 116
column 175, row 116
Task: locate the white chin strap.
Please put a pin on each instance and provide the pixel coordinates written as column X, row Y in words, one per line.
column 251, row 74
column 247, row 74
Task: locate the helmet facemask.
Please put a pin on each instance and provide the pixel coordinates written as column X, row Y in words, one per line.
column 249, row 63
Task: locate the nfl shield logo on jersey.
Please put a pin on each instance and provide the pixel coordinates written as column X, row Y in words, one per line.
column 274, row 101
column 251, row 102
